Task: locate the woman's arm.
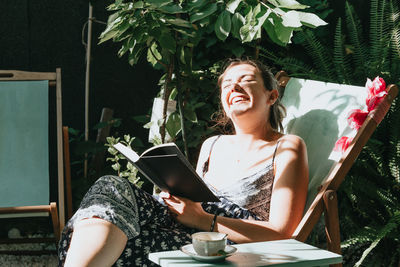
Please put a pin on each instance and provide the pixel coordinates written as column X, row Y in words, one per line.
column 287, row 203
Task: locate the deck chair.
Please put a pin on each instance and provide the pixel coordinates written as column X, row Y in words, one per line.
column 317, row 112
column 30, row 116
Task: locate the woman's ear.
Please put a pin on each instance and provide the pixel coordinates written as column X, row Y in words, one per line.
column 273, row 96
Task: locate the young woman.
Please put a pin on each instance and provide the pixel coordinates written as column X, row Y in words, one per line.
column 260, row 175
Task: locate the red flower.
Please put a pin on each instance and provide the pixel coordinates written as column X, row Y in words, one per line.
column 375, row 100
column 357, row 118
column 375, row 88
column 343, row 143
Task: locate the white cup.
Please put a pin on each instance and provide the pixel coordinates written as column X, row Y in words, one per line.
column 208, row 243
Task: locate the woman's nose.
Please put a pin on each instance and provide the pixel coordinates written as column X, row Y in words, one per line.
column 235, row 86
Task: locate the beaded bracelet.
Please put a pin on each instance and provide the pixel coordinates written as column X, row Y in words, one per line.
column 213, row 223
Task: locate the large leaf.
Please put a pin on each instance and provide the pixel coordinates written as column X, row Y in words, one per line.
column 179, row 22
column 173, row 125
column 153, row 55
column 237, row 22
column 112, row 28
column 171, row 8
column 310, row 20
column 159, row 3
column 196, row 4
column 205, row 12
column 269, row 27
column 223, row 25
column 232, row 5
column 291, row 4
column 189, row 114
column 291, row 19
column 283, row 33
column 168, row 42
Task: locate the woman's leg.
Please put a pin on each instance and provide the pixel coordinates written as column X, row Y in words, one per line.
column 95, row 242
column 129, row 211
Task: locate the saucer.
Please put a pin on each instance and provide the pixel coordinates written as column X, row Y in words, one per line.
column 189, row 250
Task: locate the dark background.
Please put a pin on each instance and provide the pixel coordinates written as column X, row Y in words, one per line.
column 44, row 35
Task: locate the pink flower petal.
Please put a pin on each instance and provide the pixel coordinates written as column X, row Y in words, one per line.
column 375, row 100
column 342, row 144
column 357, row 118
column 375, row 87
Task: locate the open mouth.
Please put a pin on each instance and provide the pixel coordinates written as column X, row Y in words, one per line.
column 237, row 99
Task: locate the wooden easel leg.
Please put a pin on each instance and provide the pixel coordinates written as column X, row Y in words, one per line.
column 332, row 222
column 56, row 221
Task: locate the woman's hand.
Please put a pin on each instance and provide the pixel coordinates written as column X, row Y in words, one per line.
column 187, row 212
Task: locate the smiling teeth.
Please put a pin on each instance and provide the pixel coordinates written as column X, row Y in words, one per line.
column 237, row 99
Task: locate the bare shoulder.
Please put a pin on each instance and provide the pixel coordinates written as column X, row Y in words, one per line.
column 208, row 142
column 292, row 144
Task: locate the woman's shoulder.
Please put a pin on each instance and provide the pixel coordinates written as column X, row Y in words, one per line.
column 292, row 141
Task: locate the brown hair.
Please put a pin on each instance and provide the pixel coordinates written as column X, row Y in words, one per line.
column 277, row 111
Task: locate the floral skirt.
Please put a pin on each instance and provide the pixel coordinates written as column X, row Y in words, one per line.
column 146, row 221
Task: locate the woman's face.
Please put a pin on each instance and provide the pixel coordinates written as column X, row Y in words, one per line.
column 243, row 92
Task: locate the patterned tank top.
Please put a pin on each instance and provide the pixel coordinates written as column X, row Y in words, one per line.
column 252, row 192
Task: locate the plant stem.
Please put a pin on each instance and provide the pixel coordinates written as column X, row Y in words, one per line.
column 167, row 92
column 180, row 106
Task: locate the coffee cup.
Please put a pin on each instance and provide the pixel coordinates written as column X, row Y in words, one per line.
column 208, row 243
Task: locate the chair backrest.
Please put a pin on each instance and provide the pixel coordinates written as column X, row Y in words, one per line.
column 24, row 138
column 317, row 112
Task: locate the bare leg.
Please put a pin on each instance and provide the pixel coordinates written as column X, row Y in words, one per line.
column 95, row 242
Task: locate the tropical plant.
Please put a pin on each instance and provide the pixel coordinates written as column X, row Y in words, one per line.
column 370, row 195
column 170, row 31
column 184, row 38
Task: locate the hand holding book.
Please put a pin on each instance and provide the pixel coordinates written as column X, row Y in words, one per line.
column 166, row 167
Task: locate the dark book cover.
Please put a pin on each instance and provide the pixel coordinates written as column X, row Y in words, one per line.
column 166, row 166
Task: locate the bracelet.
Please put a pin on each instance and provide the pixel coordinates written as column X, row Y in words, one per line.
column 213, row 223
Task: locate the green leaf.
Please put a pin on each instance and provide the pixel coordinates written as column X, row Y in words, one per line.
column 153, row 55
column 311, row 20
column 189, row 114
column 196, row 4
column 232, row 5
column 283, row 33
column 171, row 8
column 237, row 22
column 159, row 3
column 134, row 56
column 105, row 36
column 207, row 11
column 223, row 25
column 167, row 42
column 138, row 4
column 291, row 4
column 173, row 124
column 238, row 51
column 291, row 19
column 173, row 94
column 269, row 27
column 179, row 22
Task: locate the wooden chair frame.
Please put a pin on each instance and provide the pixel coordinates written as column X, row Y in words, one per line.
column 326, row 199
column 57, row 213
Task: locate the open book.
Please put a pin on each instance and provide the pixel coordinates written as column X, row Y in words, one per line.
column 166, row 166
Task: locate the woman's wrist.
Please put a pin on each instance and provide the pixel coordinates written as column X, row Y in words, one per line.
column 205, row 222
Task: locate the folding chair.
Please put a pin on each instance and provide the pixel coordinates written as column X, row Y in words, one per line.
column 317, row 112
column 30, row 116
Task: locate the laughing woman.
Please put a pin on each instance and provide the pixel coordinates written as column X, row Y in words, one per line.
column 259, row 174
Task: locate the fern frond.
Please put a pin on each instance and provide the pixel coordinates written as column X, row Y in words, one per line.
column 339, row 58
column 289, row 64
column 394, row 20
column 377, row 33
column 392, row 224
column 319, row 54
column 355, row 37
